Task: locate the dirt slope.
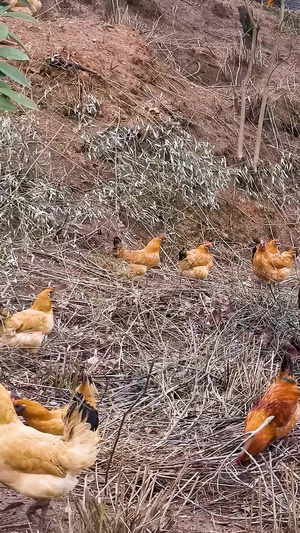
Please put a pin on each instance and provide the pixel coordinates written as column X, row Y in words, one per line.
column 181, row 65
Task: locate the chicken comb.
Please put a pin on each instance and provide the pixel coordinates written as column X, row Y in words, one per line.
column 208, row 243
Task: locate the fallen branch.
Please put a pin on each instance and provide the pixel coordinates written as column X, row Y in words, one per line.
column 123, row 421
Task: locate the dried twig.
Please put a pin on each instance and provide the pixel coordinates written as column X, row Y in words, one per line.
column 123, row 421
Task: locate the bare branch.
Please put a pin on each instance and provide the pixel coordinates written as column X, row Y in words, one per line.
column 266, row 89
column 123, row 421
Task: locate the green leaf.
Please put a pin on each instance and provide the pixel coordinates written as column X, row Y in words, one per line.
column 18, row 15
column 4, row 85
column 17, row 97
column 6, row 105
column 16, row 39
column 3, row 9
column 25, row 3
column 3, row 31
column 13, row 53
column 13, row 73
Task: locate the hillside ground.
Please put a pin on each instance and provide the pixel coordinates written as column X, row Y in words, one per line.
column 120, row 93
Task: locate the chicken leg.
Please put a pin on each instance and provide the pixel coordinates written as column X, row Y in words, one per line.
column 39, row 504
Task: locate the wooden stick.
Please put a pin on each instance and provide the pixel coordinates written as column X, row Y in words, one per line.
column 245, row 82
column 266, row 90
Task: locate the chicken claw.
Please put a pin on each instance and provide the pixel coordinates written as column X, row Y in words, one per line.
column 32, row 509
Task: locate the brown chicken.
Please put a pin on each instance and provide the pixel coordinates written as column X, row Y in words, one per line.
column 271, row 265
column 197, row 262
column 271, row 247
column 51, row 420
column 27, row 329
column 140, row 261
column 281, row 400
column 43, row 466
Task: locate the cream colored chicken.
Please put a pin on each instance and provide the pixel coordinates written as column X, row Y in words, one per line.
column 16, row 5
column 43, row 466
column 27, row 329
column 197, row 262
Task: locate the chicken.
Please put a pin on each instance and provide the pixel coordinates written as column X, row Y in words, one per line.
column 133, row 270
column 271, row 247
column 43, row 466
column 16, row 5
column 140, row 261
column 27, row 329
column 281, row 401
column 197, row 262
column 51, row 420
column 271, row 265
column 4, row 313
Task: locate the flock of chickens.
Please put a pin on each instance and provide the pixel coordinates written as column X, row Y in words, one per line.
column 268, row 263
column 43, row 457
column 275, row 415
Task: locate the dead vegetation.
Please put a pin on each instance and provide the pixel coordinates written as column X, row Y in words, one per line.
column 214, row 345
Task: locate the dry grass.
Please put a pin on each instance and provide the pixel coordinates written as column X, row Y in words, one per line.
column 177, row 446
column 157, row 168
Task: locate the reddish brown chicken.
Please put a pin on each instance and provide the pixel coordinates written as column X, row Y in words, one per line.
column 280, row 400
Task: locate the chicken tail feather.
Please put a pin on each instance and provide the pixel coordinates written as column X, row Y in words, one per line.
column 286, row 364
column 81, row 435
column 182, row 254
column 117, row 243
column 88, row 389
column 81, row 411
